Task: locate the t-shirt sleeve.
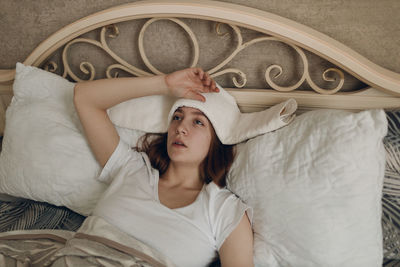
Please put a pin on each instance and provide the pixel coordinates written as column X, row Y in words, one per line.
column 227, row 213
column 119, row 158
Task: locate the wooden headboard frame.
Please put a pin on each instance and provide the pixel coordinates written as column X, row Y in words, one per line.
column 384, row 90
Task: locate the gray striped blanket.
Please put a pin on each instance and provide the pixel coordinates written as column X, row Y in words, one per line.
column 27, row 214
column 391, row 189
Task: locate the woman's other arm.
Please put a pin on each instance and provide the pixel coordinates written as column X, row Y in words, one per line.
column 93, row 98
column 237, row 249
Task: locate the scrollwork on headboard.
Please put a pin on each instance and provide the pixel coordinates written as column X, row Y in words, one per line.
column 381, row 88
column 112, row 31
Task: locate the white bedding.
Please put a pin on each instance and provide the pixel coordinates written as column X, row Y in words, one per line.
column 315, row 185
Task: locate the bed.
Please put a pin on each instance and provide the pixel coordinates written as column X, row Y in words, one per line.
column 324, row 188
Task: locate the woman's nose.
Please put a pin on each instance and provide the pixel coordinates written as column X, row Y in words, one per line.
column 181, row 128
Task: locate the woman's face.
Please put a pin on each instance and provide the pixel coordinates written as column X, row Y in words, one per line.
column 189, row 136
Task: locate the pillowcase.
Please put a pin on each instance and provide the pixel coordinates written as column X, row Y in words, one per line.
column 391, row 189
column 315, row 187
column 45, row 156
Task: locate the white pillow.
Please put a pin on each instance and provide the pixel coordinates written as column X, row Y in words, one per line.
column 315, row 186
column 45, row 156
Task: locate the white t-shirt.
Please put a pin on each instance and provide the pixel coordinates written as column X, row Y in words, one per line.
column 189, row 236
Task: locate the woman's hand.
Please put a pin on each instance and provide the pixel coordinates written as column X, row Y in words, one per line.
column 189, row 83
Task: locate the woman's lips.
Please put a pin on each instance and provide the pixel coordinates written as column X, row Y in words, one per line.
column 178, row 143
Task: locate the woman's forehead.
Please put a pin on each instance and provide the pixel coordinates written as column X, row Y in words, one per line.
column 190, row 110
column 193, row 112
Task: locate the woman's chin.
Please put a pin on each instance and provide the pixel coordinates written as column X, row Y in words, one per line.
column 184, row 160
column 183, row 156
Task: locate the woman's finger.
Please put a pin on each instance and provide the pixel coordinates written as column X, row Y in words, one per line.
column 207, row 79
column 199, row 72
column 214, row 87
column 205, row 83
column 191, row 94
column 197, row 85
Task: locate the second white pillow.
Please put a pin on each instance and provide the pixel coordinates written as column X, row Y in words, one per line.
column 316, row 187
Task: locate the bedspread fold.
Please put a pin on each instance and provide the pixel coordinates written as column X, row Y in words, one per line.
column 96, row 243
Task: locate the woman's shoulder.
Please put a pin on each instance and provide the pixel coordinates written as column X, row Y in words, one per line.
column 217, row 193
column 213, row 188
column 123, row 159
column 225, row 209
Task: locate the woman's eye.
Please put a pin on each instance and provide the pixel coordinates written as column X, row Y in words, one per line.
column 198, row 122
column 176, row 118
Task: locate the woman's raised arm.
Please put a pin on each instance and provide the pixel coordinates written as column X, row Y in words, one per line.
column 93, row 98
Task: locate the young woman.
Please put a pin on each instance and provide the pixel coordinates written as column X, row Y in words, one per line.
column 168, row 193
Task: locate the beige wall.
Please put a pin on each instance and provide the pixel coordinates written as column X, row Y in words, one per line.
column 370, row 27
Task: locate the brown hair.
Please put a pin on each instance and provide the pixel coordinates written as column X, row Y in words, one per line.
column 214, row 167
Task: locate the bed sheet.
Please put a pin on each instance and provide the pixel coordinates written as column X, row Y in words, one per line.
column 95, row 243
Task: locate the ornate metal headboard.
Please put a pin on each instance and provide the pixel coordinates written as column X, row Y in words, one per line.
column 380, row 88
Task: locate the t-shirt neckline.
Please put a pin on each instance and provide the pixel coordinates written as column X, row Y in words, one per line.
column 156, row 196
